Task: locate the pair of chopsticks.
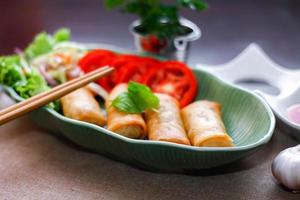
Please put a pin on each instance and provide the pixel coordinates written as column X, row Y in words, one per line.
column 57, row 92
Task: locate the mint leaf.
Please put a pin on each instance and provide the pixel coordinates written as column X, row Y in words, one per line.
column 124, row 103
column 142, row 96
column 138, row 99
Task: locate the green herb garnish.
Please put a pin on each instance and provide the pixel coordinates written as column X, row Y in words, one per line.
column 137, row 99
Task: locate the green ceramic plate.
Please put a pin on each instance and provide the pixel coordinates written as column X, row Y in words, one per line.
column 248, row 120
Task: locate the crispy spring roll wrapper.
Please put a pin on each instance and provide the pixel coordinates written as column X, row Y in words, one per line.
column 203, row 122
column 82, row 105
column 165, row 124
column 129, row 125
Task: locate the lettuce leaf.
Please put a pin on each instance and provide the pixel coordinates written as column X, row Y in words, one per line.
column 32, row 85
column 10, row 70
column 62, row 35
column 44, row 43
column 26, row 83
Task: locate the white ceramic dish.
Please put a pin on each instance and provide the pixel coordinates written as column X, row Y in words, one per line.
column 254, row 64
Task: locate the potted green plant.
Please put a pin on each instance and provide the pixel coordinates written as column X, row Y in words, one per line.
column 160, row 30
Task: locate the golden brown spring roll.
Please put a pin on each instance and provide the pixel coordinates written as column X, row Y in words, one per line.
column 82, row 105
column 203, row 122
column 165, row 124
column 129, row 125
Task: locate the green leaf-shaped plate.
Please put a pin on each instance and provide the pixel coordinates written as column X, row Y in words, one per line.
column 247, row 117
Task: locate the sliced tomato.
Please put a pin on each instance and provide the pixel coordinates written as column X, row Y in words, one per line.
column 173, row 78
column 121, row 65
column 96, row 59
column 136, row 68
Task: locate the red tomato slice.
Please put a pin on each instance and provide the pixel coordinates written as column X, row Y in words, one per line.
column 136, row 69
column 96, row 59
column 173, row 78
column 121, row 65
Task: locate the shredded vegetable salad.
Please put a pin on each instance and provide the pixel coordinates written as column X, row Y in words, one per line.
column 17, row 72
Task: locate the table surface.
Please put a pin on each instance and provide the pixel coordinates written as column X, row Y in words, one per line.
column 38, row 165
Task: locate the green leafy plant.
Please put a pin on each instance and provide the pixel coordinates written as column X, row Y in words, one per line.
column 157, row 17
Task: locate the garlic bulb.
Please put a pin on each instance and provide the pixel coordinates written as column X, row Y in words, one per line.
column 286, row 168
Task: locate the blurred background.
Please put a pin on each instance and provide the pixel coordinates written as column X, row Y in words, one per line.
column 228, row 26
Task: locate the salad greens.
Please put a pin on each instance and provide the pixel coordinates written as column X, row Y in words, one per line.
column 10, row 70
column 32, row 85
column 44, row 43
column 137, row 99
column 16, row 72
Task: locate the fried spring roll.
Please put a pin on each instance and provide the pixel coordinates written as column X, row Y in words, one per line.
column 82, row 105
column 129, row 125
column 165, row 124
column 203, row 122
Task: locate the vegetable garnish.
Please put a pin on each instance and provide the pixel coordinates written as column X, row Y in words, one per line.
column 127, row 67
column 25, row 83
column 173, row 78
column 44, row 43
column 169, row 77
column 96, row 59
column 138, row 99
column 136, row 68
column 10, row 70
column 17, row 73
column 32, row 85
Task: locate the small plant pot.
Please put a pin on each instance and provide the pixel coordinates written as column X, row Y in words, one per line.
column 171, row 48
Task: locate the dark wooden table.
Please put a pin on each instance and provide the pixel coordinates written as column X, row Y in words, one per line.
column 35, row 164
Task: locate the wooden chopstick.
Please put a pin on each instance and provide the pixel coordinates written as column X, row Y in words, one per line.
column 44, row 98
